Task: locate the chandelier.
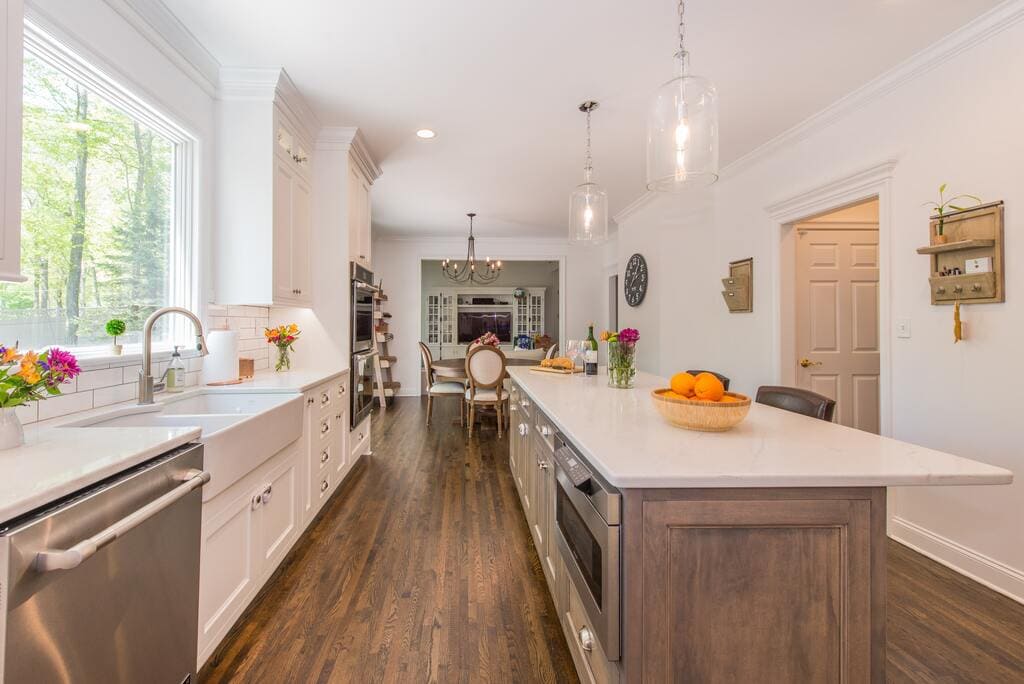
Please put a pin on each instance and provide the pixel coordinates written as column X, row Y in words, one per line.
column 682, row 129
column 588, row 204
column 468, row 272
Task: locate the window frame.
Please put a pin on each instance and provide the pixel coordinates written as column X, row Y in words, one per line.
column 183, row 270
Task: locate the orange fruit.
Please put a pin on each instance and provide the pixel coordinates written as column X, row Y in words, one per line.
column 728, row 399
column 708, row 387
column 682, row 384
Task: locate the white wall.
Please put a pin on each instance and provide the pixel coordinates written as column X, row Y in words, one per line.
column 397, row 263
column 958, row 123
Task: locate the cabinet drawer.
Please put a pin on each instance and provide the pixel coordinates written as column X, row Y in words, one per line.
column 324, row 398
column 323, row 487
column 324, row 454
column 324, row 428
column 595, row 667
column 544, row 431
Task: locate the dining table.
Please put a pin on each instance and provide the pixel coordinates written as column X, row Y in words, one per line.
column 455, row 369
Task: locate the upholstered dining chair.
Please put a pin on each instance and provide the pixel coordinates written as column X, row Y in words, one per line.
column 724, row 380
column 485, row 368
column 441, row 389
column 804, row 402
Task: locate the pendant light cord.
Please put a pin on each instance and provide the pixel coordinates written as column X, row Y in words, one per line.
column 681, row 55
column 588, row 166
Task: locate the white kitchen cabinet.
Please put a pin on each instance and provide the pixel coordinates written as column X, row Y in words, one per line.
column 359, row 234
column 264, row 208
column 11, row 54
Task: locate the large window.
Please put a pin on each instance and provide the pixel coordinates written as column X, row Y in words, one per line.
column 105, row 220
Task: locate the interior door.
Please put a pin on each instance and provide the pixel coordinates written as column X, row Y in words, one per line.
column 837, row 321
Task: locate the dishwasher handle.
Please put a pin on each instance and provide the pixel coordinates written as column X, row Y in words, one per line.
column 73, row 557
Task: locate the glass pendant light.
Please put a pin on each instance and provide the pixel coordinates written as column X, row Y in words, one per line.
column 588, row 205
column 682, row 129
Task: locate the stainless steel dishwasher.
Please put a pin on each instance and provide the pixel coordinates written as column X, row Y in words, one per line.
column 103, row 586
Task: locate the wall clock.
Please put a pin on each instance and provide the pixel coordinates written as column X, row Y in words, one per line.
column 635, row 280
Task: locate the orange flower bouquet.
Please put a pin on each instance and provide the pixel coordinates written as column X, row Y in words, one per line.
column 282, row 337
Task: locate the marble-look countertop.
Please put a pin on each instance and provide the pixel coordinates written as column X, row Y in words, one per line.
column 628, row 442
column 57, row 460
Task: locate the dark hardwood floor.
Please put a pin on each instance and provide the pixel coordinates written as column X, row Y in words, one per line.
column 421, row 568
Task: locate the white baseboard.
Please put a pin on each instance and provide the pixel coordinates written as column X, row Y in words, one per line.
column 990, row 572
column 408, row 393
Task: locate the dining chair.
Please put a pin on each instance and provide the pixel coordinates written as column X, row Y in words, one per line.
column 441, row 389
column 485, row 368
column 797, row 400
column 551, row 351
column 724, row 380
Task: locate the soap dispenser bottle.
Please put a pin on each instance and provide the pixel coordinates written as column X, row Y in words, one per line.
column 175, row 374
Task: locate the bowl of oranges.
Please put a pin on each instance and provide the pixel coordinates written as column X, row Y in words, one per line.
column 700, row 402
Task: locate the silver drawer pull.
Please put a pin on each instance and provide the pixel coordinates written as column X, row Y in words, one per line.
column 545, row 430
column 586, row 639
column 324, row 427
column 73, row 557
column 267, row 493
column 325, row 399
column 324, row 456
column 543, row 465
column 323, row 486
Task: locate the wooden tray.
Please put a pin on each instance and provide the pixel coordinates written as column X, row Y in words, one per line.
column 556, row 371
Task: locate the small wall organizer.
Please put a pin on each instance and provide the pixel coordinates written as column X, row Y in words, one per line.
column 739, row 286
column 968, row 267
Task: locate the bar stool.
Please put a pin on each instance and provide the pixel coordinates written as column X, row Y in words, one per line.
column 804, row 402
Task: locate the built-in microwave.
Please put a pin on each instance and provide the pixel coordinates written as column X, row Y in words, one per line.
column 362, row 309
column 588, row 516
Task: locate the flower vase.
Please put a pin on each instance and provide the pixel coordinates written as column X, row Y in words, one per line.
column 11, row 433
column 621, row 365
column 284, row 359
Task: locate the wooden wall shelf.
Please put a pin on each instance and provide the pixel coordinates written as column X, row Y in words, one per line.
column 975, row 233
column 739, row 286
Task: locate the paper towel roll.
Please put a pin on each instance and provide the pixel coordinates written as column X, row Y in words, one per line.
column 222, row 362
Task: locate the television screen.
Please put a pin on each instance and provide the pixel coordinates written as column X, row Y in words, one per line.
column 473, row 324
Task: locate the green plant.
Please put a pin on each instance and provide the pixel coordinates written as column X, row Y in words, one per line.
column 943, row 204
column 115, row 327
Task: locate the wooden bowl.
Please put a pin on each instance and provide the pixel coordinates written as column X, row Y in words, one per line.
column 705, row 416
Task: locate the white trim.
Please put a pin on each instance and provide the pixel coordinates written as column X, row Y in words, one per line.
column 993, row 574
column 980, row 29
column 496, row 240
column 875, row 181
column 349, row 139
column 273, row 85
column 164, row 31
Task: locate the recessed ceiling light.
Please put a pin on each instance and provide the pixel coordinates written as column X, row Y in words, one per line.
column 425, row 134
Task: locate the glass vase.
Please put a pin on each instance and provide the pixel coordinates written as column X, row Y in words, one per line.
column 621, row 365
column 11, row 433
column 284, row 359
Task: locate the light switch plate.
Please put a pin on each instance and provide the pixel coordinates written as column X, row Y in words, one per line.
column 903, row 328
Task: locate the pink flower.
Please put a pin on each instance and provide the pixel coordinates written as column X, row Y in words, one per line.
column 629, row 336
column 61, row 365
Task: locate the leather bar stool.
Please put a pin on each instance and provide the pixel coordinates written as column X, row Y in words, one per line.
column 797, row 400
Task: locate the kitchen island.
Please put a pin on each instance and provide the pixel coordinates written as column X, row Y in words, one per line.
column 756, row 554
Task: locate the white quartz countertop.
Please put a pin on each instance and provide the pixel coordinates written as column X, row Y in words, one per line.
column 627, row 441
column 57, row 460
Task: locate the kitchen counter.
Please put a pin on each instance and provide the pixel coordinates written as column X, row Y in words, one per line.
column 56, row 460
column 631, row 445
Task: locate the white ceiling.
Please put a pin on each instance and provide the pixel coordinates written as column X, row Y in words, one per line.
column 500, row 84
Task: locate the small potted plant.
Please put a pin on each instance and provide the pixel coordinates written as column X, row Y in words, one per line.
column 29, row 377
column 941, row 208
column 115, row 327
column 282, row 337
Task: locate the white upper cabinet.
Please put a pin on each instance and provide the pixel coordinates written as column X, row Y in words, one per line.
column 12, row 29
column 264, row 199
column 358, row 215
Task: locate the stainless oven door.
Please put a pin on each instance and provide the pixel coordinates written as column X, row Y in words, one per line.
column 362, row 386
column 590, row 546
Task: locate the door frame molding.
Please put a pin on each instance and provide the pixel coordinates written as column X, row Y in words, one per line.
column 865, row 184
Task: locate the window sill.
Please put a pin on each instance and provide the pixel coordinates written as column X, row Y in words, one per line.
column 92, row 360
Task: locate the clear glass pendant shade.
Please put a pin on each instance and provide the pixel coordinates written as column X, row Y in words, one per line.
column 682, row 134
column 588, row 214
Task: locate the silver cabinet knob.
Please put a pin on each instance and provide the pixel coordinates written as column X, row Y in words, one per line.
column 267, row 493
column 324, row 427
column 325, row 398
column 324, row 456
column 545, row 430
column 543, row 465
column 522, row 429
column 324, row 486
column 586, row 639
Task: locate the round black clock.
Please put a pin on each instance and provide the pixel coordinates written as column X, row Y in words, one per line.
column 635, row 281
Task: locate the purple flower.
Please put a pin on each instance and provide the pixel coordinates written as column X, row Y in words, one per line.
column 61, row 365
column 629, row 336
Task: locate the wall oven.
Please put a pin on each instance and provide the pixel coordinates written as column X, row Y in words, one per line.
column 362, row 309
column 588, row 513
column 362, row 373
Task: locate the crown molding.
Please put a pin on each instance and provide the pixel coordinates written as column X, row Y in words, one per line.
column 973, row 33
column 438, row 241
column 977, row 31
column 164, row 31
column 269, row 85
column 349, row 139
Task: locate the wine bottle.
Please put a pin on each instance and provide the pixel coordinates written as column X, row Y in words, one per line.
column 590, row 352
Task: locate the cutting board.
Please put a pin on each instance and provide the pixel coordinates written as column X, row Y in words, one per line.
column 556, row 371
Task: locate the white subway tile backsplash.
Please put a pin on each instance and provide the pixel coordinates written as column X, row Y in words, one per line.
column 249, row 345
column 248, row 311
column 194, row 365
column 94, row 379
column 131, row 373
column 55, row 407
column 28, row 413
column 114, row 395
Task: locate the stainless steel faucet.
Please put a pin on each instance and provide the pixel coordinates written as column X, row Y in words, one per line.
column 146, row 380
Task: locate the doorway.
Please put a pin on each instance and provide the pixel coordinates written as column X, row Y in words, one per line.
column 836, row 311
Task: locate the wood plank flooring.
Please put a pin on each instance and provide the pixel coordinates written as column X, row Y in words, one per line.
column 421, row 568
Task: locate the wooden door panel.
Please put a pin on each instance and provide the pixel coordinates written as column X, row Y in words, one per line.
column 864, row 321
column 823, row 318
